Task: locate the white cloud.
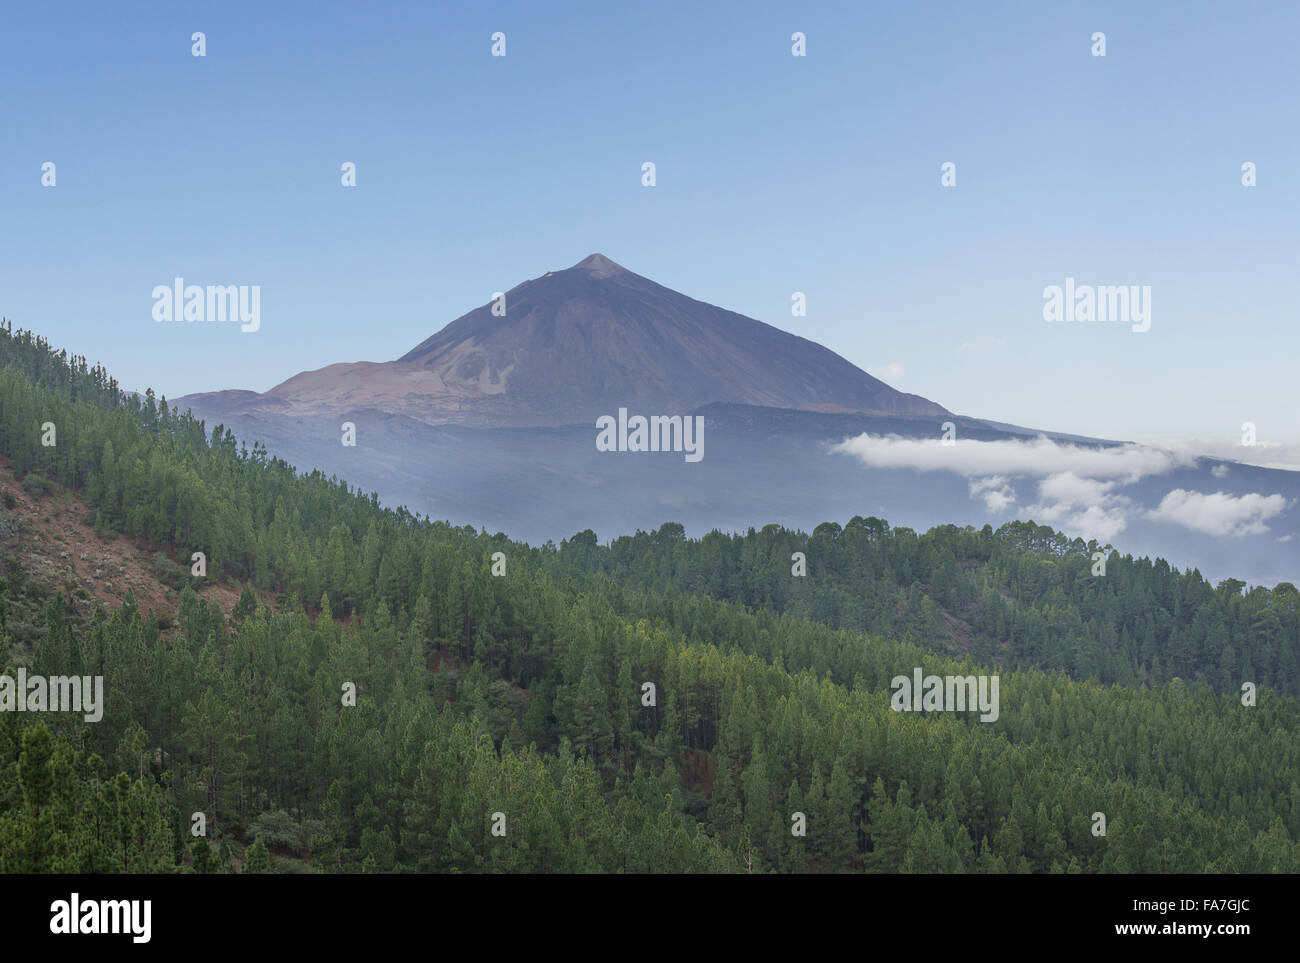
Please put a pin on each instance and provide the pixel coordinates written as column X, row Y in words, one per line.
column 1039, row 457
column 1083, row 505
column 1219, row 513
column 1069, row 489
column 1096, row 522
column 1077, row 487
column 1220, row 471
column 1262, row 454
column 996, row 492
column 890, row 372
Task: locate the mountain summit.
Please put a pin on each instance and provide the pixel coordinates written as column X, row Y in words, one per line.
column 578, row 343
column 599, row 266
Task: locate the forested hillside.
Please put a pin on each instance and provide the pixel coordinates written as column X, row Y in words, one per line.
column 522, row 694
column 1021, row 596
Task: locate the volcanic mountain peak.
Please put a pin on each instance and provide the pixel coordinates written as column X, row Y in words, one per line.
column 599, row 266
column 577, row 343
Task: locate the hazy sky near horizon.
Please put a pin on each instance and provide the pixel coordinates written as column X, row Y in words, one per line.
column 775, row 174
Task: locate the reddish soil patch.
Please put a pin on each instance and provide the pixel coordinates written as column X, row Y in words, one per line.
column 53, row 538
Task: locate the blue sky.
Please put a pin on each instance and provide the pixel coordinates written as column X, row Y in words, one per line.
column 775, row 174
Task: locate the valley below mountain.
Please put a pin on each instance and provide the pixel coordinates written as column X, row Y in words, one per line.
column 491, row 422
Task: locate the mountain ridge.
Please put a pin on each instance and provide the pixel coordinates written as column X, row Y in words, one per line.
column 570, row 345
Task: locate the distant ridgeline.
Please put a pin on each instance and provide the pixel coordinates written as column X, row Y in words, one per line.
column 419, row 697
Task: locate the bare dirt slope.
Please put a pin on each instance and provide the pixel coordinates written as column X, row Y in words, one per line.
column 48, row 544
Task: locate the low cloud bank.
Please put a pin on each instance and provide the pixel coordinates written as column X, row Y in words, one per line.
column 1219, row 513
column 1076, row 488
